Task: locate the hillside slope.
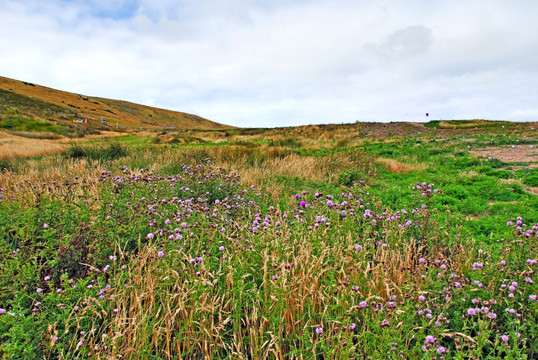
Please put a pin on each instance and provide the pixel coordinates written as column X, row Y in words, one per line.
column 43, row 103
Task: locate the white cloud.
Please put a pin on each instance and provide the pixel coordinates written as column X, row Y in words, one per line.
column 260, row 63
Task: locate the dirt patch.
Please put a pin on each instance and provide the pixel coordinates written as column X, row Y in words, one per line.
column 519, row 153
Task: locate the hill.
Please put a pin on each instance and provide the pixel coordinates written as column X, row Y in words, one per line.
column 20, row 100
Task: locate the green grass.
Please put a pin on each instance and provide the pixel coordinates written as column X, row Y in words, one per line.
column 22, row 124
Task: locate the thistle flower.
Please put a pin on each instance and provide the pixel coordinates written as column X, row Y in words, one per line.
column 471, row 311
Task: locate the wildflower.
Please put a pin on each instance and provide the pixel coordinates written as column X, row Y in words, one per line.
column 504, row 338
column 363, row 304
column 2, row 311
column 221, row 248
column 352, row 326
column 39, row 290
column 150, row 236
column 441, row 350
column 45, row 225
column 385, row 323
column 533, row 297
column 471, row 311
column 47, row 278
column 358, row 247
column 421, row 298
column 160, row 253
column 430, row 339
column 319, row 330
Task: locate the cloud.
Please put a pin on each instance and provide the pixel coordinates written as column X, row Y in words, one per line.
column 259, row 63
column 409, row 42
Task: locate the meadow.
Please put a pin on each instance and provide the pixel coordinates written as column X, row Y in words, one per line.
column 319, row 242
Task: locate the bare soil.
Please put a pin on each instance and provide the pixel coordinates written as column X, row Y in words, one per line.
column 517, row 153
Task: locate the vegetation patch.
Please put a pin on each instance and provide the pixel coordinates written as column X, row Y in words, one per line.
column 250, row 245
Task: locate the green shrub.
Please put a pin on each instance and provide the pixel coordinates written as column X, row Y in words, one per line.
column 6, row 165
column 95, row 152
column 531, row 179
column 349, row 176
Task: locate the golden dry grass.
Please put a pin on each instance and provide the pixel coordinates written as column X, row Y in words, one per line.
column 38, row 178
column 12, row 147
column 398, row 167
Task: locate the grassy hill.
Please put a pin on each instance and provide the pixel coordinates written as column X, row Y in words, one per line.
column 21, row 101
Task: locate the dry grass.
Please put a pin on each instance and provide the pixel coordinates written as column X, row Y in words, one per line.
column 12, row 147
column 469, row 175
column 398, row 167
column 38, row 178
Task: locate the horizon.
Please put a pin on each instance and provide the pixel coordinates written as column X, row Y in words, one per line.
column 257, row 64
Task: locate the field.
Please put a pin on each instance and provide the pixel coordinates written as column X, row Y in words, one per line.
column 378, row 241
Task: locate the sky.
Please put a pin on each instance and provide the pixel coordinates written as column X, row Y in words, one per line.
column 279, row 63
